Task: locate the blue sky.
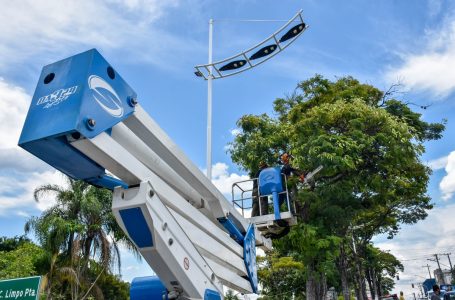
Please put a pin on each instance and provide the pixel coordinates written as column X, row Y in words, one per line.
column 155, row 44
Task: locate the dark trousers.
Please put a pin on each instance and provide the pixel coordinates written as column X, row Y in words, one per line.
column 264, row 206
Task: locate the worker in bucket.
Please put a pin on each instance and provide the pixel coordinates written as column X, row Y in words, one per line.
column 264, row 203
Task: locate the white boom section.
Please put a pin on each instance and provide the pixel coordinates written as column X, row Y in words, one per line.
column 183, row 207
column 185, row 222
column 170, row 247
column 149, row 132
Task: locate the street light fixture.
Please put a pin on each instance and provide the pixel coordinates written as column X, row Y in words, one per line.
column 243, row 61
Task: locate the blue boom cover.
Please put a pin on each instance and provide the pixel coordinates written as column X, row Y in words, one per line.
column 77, row 97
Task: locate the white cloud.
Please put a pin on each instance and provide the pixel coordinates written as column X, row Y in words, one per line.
column 132, row 268
column 15, row 102
column 43, row 31
column 433, row 68
column 16, row 196
column 223, row 180
column 447, row 184
column 150, row 9
column 438, row 163
column 416, row 243
column 21, row 213
column 20, row 172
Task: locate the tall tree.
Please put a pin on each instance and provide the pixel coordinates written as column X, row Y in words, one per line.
column 381, row 267
column 78, row 229
column 370, row 146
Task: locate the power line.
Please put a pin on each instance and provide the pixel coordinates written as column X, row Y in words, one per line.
column 423, row 255
column 249, row 20
column 448, row 248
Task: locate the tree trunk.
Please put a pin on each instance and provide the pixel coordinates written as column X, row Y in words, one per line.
column 302, row 210
column 50, row 275
column 370, row 280
column 375, row 285
column 364, row 286
column 360, row 273
column 378, row 284
column 310, row 288
column 342, row 266
column 359, row 280
column 322, row 284
column 316, row 286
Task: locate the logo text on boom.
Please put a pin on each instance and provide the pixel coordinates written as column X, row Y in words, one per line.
column 56, row 97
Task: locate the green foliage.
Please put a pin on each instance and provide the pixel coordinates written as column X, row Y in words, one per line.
column 230, row 296
column 9, row 244
column 20, row 262
column 258, row 142
column 108, row 285
column 387, row 285
column 383, row 261
column 342, row 298
column 370, row 146
column 280, row 277
column 383, row 267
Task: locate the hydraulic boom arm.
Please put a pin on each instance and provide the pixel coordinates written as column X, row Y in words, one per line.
column 84, row 120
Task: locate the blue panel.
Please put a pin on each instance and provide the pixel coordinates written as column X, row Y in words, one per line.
column 81, row 88
column 428, row 284
column 270, row 181
column 249, row 255
column 276, row 205
column 147, row 288
column 249, row 249
column 65, row 158
column 234, row 232
column 137, row 227
column 68, row 94
column 107, row 182
column 211, row 295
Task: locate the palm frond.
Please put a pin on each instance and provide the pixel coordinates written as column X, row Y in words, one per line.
column 46, row 189
column 68, row 273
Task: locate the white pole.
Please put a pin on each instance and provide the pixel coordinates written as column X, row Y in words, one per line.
column 209, row 106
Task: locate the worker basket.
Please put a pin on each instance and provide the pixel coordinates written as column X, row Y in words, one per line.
column 270, row 209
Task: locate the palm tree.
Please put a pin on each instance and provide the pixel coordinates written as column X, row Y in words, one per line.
column 230, row 296
column 78, row 229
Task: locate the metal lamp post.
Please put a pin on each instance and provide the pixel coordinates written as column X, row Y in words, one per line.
column 243, row 61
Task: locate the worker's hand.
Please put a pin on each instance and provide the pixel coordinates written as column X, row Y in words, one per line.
column 302, row 178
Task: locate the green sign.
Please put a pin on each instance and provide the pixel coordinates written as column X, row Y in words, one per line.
column 20, row 288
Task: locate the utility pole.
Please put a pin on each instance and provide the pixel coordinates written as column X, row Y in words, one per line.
column 428, row 267
column 209, row 105
column 450, row 264
column 439, row 267
column 448, row 257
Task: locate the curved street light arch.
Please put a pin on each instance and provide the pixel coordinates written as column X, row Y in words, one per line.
column 255, row 55
column 243, row 61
